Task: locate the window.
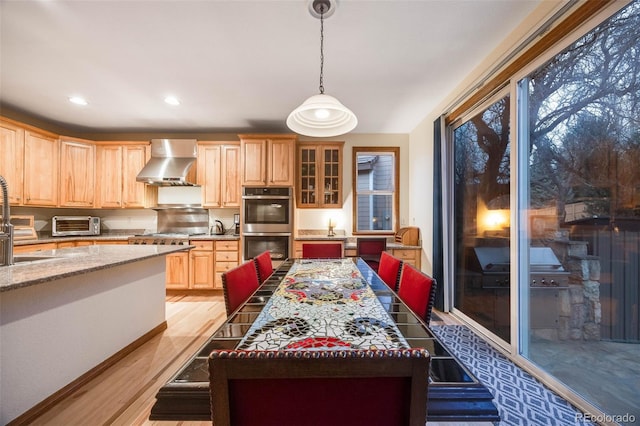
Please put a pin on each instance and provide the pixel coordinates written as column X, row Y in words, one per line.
column 375, row 189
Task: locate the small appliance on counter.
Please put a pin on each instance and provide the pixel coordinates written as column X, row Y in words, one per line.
column 63, row 226
column 219, row 228
column 236, row 224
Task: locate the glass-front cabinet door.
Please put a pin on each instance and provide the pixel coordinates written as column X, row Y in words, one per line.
column 319, row 175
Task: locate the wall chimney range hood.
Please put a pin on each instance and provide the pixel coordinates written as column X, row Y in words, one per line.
column 170, row 162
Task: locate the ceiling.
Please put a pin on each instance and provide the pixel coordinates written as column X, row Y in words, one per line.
column 240, row 65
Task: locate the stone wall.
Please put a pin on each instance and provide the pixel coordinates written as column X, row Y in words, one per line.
column 580, row 310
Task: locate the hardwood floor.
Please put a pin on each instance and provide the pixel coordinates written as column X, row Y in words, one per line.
column 125, row 393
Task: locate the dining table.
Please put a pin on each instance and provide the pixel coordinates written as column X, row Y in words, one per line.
column 327, row 304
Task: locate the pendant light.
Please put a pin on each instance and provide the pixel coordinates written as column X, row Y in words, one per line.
column 322, row 115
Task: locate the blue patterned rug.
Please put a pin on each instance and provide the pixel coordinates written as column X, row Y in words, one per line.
column 521, row 399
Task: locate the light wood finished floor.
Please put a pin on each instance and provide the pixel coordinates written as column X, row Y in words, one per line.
column 124, row 394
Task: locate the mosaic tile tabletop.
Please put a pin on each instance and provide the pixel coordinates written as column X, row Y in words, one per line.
column 323, row 304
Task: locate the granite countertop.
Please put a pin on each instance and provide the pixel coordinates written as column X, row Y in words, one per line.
column 349, row 242
column 111, row 236
column 75, row 261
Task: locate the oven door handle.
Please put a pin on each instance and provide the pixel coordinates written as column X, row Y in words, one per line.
column 266, row 234
column 266, row 197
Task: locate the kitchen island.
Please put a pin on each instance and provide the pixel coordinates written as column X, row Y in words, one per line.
column 69, row 312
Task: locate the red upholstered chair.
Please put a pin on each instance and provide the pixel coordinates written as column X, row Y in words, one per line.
column 418, row 291
column 322, row 251
column 370, row 249
column 239, row 283
column 332, row 387
column 263, row 265
column 389, row 270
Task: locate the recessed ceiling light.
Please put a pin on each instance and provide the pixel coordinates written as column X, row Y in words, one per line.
column 172, row 100
column 77, row 100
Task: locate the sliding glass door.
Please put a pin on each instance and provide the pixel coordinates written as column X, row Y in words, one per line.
column 481, row 218
column 580, row 141
column 566, row 281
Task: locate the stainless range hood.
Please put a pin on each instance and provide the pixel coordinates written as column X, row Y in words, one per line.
column 170, row 162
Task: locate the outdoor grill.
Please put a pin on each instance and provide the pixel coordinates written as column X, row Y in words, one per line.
column 493, row 264
column 487, row 289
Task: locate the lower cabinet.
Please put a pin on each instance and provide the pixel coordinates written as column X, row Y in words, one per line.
column 407, row 255
column 227, row 256
column 201, row 265
column 177, row 271
column 411, row 256
column 30, row 248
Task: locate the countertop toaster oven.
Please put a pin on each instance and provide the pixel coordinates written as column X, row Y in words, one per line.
column 62, row 226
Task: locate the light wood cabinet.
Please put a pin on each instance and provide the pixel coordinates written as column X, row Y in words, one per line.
column 201, row 261
column 268, row 160
column 117, row 165
column 110, row 242
column 407, row 255
column 41, row 159
column 12, row 159
column 134, row 158
column 411, row 256
column 227, row 256
column 76, row 243
column 177, row 271
column 109, row 176
column 218, row 173
column 319, row 177
column 30, row 248
column 77, row 173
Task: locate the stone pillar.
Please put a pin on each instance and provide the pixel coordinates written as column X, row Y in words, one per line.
column 583, row 300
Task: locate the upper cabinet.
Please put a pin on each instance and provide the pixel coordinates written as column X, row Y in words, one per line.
column 12, row 159
column 218, row 173
column 135, row 156
column 319, row 178
column 118, row 164
column 77, row 172
column 109, row 176
column 268, row 160
column 41, row 157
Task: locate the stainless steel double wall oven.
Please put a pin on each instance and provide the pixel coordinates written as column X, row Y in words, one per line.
column 267, row 222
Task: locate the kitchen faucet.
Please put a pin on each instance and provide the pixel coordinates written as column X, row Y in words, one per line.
column 6, row 228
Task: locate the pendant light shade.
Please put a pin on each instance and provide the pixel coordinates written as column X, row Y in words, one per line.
column 322, row 115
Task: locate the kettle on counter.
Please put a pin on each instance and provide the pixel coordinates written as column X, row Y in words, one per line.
column 219, row 228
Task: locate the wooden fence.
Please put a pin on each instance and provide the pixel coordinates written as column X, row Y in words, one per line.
column 619, row 253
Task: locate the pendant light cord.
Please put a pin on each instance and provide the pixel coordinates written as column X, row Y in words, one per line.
column 321, row 49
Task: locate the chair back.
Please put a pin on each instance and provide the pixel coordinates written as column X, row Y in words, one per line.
column 263, row 265
column 370, row 249
column 239, row 283
column 322, row 251
column 389, row 270
column 418, row 291
column 309, row 388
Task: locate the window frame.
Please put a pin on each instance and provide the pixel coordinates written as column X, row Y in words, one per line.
column 377, row 150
